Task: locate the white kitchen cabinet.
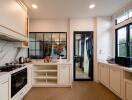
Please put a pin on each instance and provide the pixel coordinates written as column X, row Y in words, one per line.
column 112, row 77
column 64, row 74
column 128, row 89
column 4, row 89
column 104, row 74
column 116, row 80
column 51, row 75
column 13, row 19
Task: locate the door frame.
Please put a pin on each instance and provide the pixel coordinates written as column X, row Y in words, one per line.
column 74, row 69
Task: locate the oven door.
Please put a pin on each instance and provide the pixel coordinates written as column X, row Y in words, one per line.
column 18, row 81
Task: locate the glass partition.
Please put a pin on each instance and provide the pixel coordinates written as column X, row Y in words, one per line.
column 53, row 44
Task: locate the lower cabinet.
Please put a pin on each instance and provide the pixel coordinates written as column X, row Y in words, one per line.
column 128, row 90
column 104, row 74
column 4, row 93
column 51, row 75
column 112, row 78
column 116, row 81
column 64, row 74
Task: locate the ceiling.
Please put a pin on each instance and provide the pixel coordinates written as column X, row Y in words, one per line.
column 52, row 9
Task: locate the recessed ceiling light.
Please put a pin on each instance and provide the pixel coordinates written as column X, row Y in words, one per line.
column 34, row 6
column 92, row 6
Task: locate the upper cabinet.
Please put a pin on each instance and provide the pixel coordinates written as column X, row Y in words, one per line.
column 13, row 19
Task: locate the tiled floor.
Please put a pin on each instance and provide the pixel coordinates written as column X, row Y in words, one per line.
column 79, row 91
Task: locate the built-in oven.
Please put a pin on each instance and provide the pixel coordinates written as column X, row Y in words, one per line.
column 18, row 81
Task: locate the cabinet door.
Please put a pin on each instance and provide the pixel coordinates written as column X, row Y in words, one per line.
column 64, row 74
column 13, row 16
column 128, row 90
column 115, row 80
column 104, row 74
column 4, row 91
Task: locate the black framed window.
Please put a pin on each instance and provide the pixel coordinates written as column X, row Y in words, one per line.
column 123, row 43
column 42, row 44
column 123, row 17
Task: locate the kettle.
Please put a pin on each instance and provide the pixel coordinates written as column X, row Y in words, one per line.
column 21, row 60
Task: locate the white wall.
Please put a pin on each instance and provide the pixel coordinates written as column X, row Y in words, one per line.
column 55, row 25
column 104, row 38
column 84, row 24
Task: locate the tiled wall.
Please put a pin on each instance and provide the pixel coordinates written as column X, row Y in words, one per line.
column 8, row 52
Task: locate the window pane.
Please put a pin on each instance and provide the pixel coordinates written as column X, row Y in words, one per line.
column 130, row 33
column 47, row 36
column 63, row 48
column 31, row 53
column 121, row 35
column 47, row 48
column 122, row 18
column 39, row 45
column 55, row 37
column 63, row 37
column 39, row 36
column 32, row 45
column 39, row 54
column 55, row 50
column 32, row 37
column 130, row 13
column 122, row 51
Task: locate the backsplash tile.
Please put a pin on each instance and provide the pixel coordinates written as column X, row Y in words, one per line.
column 8, row 51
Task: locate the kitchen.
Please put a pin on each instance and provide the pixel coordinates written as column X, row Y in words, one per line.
column 39, row 51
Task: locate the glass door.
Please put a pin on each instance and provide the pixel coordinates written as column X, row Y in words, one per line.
column 83, row 55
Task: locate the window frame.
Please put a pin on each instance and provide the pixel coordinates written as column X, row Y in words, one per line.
column 127, row 14
column 36, row 57
column 127, row 41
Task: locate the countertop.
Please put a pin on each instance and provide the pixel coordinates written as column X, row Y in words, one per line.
column 128, row 69
column 41, row 62
column 3, row 73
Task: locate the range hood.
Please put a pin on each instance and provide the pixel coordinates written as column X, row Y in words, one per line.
column 9, row 35
column 12, row 38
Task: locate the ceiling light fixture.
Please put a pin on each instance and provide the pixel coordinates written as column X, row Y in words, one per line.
column 92, row 6
column 34, row 6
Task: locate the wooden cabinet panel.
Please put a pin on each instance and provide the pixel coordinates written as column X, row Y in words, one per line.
column 64, row 74
column 4, row 91
column 115, row 80
column 104, row 74
column 128, row 90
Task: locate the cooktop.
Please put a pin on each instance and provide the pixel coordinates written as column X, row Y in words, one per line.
column 10, row 67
